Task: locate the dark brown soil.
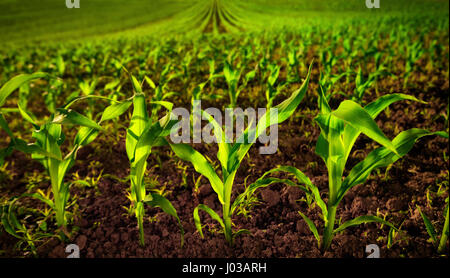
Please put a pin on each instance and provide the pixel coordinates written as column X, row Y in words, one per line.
column 277, row 230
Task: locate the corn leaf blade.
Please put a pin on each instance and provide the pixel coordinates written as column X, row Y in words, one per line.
column 201, row 165
column 362, row 220
column 9, row 87
column 211, row 213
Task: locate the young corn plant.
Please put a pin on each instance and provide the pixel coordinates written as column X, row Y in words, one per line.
column 49, row 138
column 47, row 148
column 28, row 238
column 442, row 242
column 232, row 77
column 327, row 82
column 414, row 52
column 362, row 84
column 272, row 91
column 339, row 130
column 230, row 157
column 142, row 135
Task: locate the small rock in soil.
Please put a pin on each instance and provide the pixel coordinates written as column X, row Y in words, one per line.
column 271, row 197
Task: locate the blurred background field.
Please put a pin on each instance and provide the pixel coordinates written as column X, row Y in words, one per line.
column 30, row 20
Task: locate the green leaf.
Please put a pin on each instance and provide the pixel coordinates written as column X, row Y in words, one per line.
column 34, row 149
column 138, row 124
column 322, row 149
column 250, row 75
column 382, row 157
column 373, row 109
column 111, row 85
column 85, row 135
column 201, row 165
column 275, row 71
column 60, row 65
column 151, row 134
column 136, row 85
column 240, row 232
column 353, row 114
column 213, row 215
column 224, row 147
column 5, row 127
column 228, row 72
column 40, row 198
column 17, row 81
column 324, row 107
column 430, row 229
column 76, row 99
column 115, row 110
column 390, row 239
column 361, row 220
column 303, row 179
column 6, row 223
column 167, row 207
column 166, row 104
column 312, row 227
column 145, row 142
column 69, row 116
column 260, row 183
column 445, row 229
column 150, row 82
column 285, row 110
column 287, row 107
column 27, row 117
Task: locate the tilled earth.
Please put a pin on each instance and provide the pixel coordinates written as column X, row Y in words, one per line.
column 277, row 230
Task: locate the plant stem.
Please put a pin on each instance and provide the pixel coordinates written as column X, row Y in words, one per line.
column 444, row 235
column 139, row 211
column 328, row 232
column 227, row 222
column 229, row 181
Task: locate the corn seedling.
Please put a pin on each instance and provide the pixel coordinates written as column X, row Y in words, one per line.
column 442, row 242
column 49, row 138
column 230, row 157
column 47, row 148
column 339, row 130
column 28, row 236
column 414, row 52
column 327, row 82
column 142, row 135
column 272, row 91
column 232, row 77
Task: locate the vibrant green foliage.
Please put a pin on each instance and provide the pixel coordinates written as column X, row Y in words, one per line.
column 339, row 130
column 142, row 135
column 230, row 157
column 69, row 63
column 441, row 244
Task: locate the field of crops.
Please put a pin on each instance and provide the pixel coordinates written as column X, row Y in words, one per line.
column 87, row 128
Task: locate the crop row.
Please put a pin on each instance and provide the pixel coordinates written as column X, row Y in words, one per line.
column 339, row 130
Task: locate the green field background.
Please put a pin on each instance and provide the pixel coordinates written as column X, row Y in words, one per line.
column 43, row 20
